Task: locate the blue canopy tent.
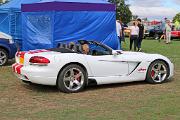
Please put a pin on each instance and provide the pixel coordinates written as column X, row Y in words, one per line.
column 10, row 17
column 48, row 23
column 82, row 1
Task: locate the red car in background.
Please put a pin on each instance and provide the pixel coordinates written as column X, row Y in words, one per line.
column 175, row 34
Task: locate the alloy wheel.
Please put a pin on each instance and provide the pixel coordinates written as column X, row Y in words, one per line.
column 73, row 79
column 158, row 72
column 3, row 58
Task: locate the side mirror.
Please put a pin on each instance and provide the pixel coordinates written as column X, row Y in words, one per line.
column 114, row 53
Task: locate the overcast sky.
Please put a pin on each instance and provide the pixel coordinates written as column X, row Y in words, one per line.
column 155, row 9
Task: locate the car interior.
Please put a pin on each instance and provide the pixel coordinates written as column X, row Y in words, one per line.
column 95, row 49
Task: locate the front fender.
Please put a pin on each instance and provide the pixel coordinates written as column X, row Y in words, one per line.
column 10, row 48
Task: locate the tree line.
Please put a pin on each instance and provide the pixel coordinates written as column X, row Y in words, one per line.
column 122, row 10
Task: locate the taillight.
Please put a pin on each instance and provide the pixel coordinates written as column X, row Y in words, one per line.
column 20, row 57
column 38, row 60
column 20, row 54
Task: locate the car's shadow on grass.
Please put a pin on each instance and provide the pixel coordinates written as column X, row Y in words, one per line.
column 124, row 85
column 9, row 63
column 53, row 89
column 117, row 85
column 40, row 88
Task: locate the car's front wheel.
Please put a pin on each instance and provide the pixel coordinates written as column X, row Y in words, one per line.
column 72, row 78
column 3, row 57
column 158, row 72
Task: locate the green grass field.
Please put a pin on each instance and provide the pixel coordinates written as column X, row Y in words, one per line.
column 128, row 101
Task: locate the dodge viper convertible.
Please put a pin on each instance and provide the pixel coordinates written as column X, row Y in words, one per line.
column 68, row 68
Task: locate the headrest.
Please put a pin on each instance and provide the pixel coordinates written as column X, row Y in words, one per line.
column 82, row 42
column 62, row 45
column 72, row 46
column 79, row 48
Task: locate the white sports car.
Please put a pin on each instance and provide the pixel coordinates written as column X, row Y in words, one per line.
column 70, row 70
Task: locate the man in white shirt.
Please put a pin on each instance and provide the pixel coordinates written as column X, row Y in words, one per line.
column 119, row 30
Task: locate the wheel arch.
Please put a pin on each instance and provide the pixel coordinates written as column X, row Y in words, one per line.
column 6, row 49
column 76, row 63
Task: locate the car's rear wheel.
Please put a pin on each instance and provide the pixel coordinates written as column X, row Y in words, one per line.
column 158, row 72
column 72, row 78
column 3, row 57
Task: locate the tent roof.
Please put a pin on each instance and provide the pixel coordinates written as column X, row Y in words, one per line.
column 17, row 3
column 81, row 1
column 67, row 6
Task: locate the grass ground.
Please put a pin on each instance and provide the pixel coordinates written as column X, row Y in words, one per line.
column 128, row 101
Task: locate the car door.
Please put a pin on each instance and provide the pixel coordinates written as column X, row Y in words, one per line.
column 107, row 65
column 102, row 63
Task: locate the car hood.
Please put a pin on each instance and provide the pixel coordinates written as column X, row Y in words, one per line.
column 5, row 36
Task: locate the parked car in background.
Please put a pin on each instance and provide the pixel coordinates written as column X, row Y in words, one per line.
column 7, row 48
column 146, row 33
column 147, row 30
column 156, row 32
column 175, row 34
column 126, row 31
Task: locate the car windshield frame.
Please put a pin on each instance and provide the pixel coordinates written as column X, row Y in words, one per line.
column 97, row 44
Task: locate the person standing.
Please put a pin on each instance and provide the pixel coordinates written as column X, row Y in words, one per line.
column 134, row 32
column 141, row 33
column 168, row 32
column 163, row 25
column 122, row 30
column 119, row 31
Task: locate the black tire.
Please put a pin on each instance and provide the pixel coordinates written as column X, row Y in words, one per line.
column 3, row 57
column 158, row 76
column 26, row 82
column 62, row 85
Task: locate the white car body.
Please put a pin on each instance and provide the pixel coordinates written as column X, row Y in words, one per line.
column 104, row 69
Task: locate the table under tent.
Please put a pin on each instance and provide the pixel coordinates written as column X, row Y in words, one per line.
column 48, row 23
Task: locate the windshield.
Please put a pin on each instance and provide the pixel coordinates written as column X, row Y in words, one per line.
column 96, row 48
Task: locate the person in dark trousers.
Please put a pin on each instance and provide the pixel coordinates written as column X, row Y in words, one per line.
column 141, row 33
column 122, row 30
column 134, row 33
